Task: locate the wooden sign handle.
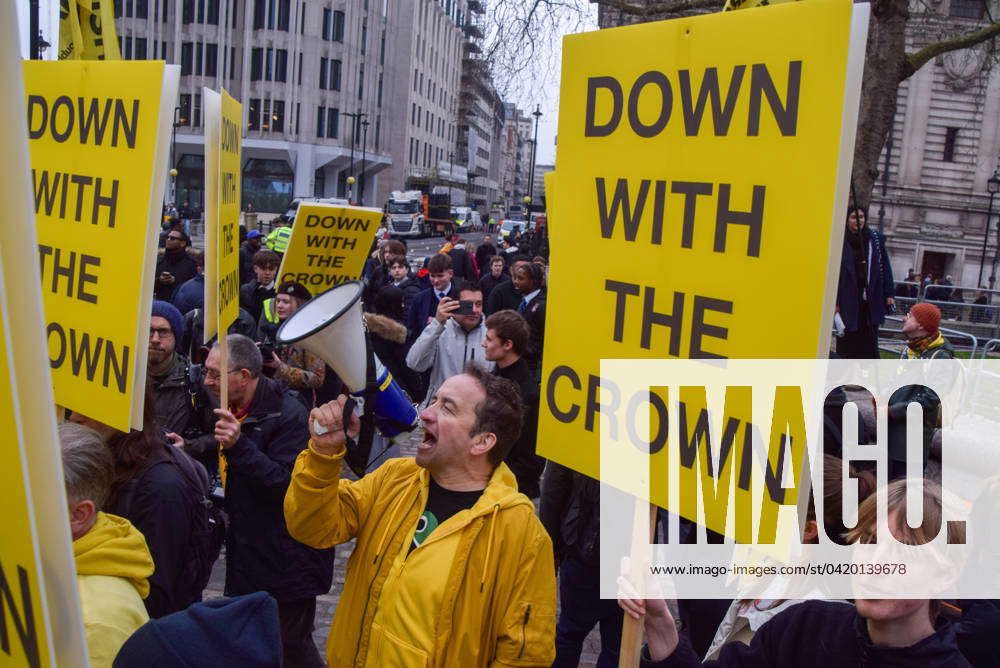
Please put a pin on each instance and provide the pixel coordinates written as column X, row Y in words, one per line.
column 628, row 656
column 223, row 371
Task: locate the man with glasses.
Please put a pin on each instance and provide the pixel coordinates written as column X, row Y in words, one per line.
column 182, row 407
column 260, row 434
column 174, row 267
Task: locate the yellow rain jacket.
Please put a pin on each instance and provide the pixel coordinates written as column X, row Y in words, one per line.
column 483, row 592
column 112, row 567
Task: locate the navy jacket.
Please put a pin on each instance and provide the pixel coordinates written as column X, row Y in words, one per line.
column 880, row 283
column 191, row 295
column 260, row 555
column 423, row 305
column 822, row 634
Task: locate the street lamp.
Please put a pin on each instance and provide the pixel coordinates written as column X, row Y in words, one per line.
column 527, row 199
column 992, row 187
column 364, row 158
column 537, row 113
column 354, row 137
column 451, row 173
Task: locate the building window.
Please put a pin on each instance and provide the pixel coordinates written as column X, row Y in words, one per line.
column 300, row 70
column 364, row 35
column 232, row 61
column 271, row 14
column 967, row 9
column 319, row 183
column 196, row 112
column 379, row 89
column 140, row 48
column 187, row 49
column 302, row 20
column 298, row 105
column 184, row 116
column 211, row 59
column 273, row 117
column 378, row 130
column 381, row 50
column 334, row 80
column 281, row 65
column 320, row 122
column 253, row 114
column 324, row 72
column 256, row 63
column 338, row 26
column 361, row 82
column 950, row 137
column 327, row 24
column 159, row 10
column 332, row 123
column 232, row 14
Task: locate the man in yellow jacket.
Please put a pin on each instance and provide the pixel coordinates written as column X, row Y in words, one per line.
column 113, row 563
column 452, row 568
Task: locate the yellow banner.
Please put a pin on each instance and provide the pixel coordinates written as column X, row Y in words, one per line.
column 706, row 167
column 747, row 4
column 329, row 245
column 41, row 610
column 229, row 211
column 94, row 129
column 87, row 30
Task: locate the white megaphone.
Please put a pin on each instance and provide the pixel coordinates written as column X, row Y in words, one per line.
column 330, row 327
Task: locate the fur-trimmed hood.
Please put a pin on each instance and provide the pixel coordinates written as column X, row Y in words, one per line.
column 385, row 328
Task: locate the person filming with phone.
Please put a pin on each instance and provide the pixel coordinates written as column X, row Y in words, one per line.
column 453, row 338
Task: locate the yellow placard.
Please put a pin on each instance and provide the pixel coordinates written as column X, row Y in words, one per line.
column 228, row 222
column 329, row 245
column 41, row 610
column 94, row 131
column 87, row 30
column 703, row 174
column 212, row 124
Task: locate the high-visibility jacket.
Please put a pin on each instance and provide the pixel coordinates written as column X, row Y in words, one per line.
column 269, row 310
column 278, row 239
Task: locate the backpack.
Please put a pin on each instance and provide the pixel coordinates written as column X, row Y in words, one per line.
column 208, row 521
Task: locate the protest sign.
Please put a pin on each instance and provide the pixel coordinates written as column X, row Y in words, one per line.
column 98, row 134
column 39, row 604
column 223, row 123
column 87, row 30
column 329, row 245
column 707, row 176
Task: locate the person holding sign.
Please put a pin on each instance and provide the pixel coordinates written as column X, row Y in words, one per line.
column 261, row 432
column 451, row 566
column 866, row 290
column 297, row 368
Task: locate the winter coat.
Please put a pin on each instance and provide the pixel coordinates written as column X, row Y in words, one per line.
column 880, row 284
column 927, row 398
column 112, row 570
column 570, row 512
column 744, row 619
column 423, row 306
column 260, row 554
column 191, row 295
column 157, row 502
column 483, row 254
column 502, row 297
column 374, row 281
column 252, row 296
column 497, row 585
column 487, row 283
column 246, row 262
column 522, row 460
column 178, row 263
column 535, row 315
column 388, row 339
column 183, row 407
column 461, row 264
column 444, row 349
column 822, row 634
column 410, row 288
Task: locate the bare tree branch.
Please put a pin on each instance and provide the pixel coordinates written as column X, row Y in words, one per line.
column 915, row 61
column 657, row 8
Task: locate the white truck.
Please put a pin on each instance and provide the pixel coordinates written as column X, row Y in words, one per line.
column 405, row 214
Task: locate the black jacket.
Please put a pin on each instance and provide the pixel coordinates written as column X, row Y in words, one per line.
column 929, row 402
column 252, row 297
column 388, row 339
column 194, row 330
column 423, row 306
column 488, row 283
column 503, row 296
column 483, row 253
column 260, row 555
column 570, row 512
column 522, row 460
column 157, row 502
column 823, row 634
column 535, row 315
column 461, row 264
column 178, row 263
column 183, row 407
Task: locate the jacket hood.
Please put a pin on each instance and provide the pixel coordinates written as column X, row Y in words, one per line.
column 115, row 548
column 241, row 631
column 385, row 328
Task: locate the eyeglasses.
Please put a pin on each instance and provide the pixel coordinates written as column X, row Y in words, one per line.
column 163, row 333
column 175, row 238
column 212, row 374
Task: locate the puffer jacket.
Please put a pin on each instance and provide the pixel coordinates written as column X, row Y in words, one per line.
column 498, row 600
column 444, row 349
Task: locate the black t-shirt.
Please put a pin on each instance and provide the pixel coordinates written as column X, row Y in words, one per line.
column 441, row 504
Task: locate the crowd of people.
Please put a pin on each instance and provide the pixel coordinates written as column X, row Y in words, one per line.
column 452, row 563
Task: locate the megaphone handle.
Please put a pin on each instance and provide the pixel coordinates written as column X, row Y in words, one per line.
column 349, row 407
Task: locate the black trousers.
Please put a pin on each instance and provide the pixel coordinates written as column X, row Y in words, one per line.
column 296, row 619
column 859, row 345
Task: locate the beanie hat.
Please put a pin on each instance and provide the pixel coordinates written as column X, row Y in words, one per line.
column 169, row 312
column 927, row 315
column 293, row 289
column 253, row 234
column 241, row 631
